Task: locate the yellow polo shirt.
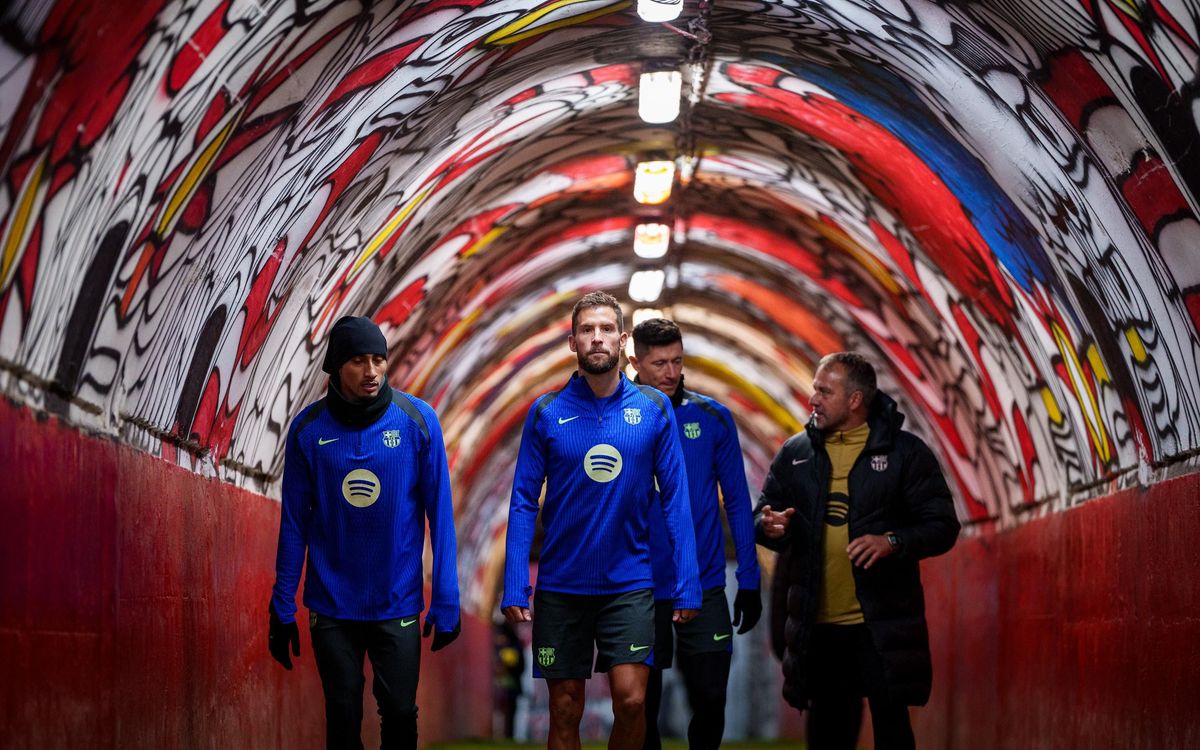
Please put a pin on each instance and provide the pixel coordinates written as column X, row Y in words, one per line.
column 838, row 603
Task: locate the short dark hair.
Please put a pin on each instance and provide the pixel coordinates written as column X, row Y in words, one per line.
column 597, row 299
column 654, row 332
column 860, row 375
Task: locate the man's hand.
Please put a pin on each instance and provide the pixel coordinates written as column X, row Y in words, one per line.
column 869, row 549
column 279, row 636
column 774, row 525
column 441, row 638
column 684, row 615
column 747, row 608
column 516, row 614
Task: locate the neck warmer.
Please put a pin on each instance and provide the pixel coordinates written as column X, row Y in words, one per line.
column 357, row 414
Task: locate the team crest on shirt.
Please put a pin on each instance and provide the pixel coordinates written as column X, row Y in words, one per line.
column 879, row 463
column 391, row 438
column 546, row 656
column 691, row 430
column 633, row 416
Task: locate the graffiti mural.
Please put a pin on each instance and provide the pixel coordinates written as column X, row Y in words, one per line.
column 998, row 202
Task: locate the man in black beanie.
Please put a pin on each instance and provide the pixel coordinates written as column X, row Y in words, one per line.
column 363, row 468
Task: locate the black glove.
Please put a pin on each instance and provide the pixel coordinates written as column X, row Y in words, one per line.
column 747, row 608
column 442, row 638
column 280, row 635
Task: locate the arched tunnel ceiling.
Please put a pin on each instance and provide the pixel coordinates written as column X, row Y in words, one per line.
column 997, row 202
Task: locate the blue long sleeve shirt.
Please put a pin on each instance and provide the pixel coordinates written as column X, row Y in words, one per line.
column 356, row 500
column 713, row 455
column 599, row 458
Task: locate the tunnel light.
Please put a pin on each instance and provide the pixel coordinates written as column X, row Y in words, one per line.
column 657, row 11
column 658, row 96
column 651, row 240
column 645, row 286
column 652, row 182
column 642, row 314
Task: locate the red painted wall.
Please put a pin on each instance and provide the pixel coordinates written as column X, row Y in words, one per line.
column 133, row 609
column 1080, row 630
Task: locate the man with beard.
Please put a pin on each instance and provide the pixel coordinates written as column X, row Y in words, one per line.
column 364, row 467
column 599, row 444
column 857, row 502
column 713, row 457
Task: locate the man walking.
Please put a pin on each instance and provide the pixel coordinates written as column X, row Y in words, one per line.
column 599, row 444
column 713, row 456
column 857, row 502
column 364, row 467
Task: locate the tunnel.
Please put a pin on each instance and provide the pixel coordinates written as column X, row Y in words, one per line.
column 996, row 203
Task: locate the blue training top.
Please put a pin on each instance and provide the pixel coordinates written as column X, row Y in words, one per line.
column 357, row 499
column 599, row 459
column 713, row 455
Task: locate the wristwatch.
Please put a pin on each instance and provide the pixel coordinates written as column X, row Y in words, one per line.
column 894, row 541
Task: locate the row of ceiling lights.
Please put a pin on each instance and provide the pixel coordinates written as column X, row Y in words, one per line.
column 658, row 104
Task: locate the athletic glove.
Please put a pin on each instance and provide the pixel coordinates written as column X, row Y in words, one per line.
column 747, row 608
column 280, row 636
column 442, row 638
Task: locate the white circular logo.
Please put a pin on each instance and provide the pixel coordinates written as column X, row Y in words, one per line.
column 602, row 463
column 360, row 488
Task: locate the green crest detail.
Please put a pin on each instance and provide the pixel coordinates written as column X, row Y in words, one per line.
column 691, row 430
column 546, row 657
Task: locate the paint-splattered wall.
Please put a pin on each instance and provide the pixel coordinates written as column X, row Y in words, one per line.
column 996, row 201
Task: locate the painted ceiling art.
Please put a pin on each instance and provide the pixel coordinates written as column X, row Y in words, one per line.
column 997, row 202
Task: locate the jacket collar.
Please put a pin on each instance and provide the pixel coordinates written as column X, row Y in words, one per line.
column 578, row 387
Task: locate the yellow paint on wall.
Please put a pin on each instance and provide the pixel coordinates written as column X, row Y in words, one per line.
column 1055, row 414
column 519, row 30
column 16, row 235
column 195, row 175
column 1093, row 355
column 1136, row 346
column 484, row 241
column 383, row 235
column 1083, row 394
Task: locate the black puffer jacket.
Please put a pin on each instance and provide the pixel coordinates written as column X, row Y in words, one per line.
column 896, row 485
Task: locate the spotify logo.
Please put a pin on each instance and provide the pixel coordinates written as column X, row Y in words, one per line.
column 602, row 463
column 360, row 488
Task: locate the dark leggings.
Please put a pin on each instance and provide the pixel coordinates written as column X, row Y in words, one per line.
column 395, row 651
column 705, row 676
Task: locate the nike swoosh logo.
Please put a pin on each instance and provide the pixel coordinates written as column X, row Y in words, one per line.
column 798, row 461
column 323, row 441
column 406, row 623
column 719, row 637
column 635, row 649
column 568, row 419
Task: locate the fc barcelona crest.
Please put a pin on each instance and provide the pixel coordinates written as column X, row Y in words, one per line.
column 546, row 657
column 633, row 416
column 879, row 463
column 391, row 438
column 691, row 430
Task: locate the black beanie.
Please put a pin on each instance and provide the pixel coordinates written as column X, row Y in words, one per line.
column 350, row 337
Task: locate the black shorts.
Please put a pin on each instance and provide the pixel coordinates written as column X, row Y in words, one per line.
column 710, row 631
column 569, row 628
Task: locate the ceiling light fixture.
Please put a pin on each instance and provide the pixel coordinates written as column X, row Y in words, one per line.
column 658, row 96
column 642, row 314
column 657, row 11
column 645, row 286
column 652, row 182
column 651, row 240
